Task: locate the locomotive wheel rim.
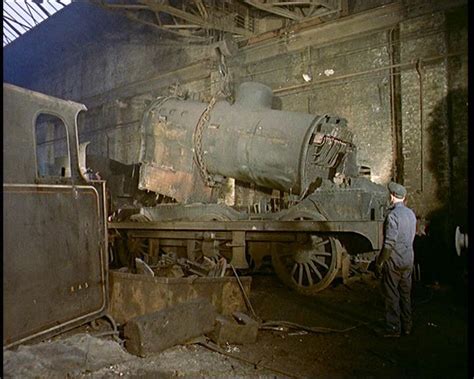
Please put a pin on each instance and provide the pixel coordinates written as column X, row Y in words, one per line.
column 308, row 267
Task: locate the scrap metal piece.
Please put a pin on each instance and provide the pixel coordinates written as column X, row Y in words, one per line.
column 219, row 269
column 244, row 293
column 143, row 268
column 240, row 329
column 195, row 267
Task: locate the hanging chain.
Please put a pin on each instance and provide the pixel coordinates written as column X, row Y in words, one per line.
column 226, row 92
column 225, row 85
column 197, row 139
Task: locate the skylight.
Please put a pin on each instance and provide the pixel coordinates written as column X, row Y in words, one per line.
column 21, row 16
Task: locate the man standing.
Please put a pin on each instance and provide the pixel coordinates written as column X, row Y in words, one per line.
column 395, row 263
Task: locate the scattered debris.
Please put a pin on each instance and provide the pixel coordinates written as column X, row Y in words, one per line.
column 83, row 356
column 170, row 266
column 329, row 72
column 277, row 328
column 299, row 333
column 219, row 268
column 143, row 268
column 240, row 329
column 231, row 349
column 258, row 365
column 173, row 271
column 286, row 325
column 208, row 267
column 65, row 357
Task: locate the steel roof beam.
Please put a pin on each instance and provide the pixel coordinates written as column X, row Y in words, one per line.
column 275, row 10
column 10, row 18
column 43, row 9
column 40, row 15
column 18, row 17
column 211, row 24
column 183, row 15
column 11, row 26
column 18, row 14
column 30, row 13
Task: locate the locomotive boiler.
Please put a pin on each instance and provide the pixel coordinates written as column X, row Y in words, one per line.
column 189, row 147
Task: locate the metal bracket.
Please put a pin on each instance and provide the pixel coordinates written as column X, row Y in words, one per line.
column 238, row 250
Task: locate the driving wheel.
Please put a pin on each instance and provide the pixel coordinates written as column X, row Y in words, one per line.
column 308, row 266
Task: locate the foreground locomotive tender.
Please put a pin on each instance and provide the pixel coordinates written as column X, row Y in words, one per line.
column 189, row 149
column 55, row 272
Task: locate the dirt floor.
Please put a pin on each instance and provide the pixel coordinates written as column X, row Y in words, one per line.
column 436, row 349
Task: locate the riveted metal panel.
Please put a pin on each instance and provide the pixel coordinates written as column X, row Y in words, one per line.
column 54, row 228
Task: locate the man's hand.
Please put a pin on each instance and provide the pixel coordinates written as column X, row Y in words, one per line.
column 383, row 256
column 378, row 271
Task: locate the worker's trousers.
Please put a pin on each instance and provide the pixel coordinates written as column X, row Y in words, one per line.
column 396, row 288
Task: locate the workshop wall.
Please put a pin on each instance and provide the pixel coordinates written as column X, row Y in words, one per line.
column 363, row 68
column 435, row 142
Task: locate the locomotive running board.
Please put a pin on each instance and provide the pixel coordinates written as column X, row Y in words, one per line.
column 371, row 230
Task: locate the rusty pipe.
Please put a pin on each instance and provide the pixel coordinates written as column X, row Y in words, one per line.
column 419, row 71
column 411, row 64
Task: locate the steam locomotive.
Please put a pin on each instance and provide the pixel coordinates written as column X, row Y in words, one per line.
column 316, row 215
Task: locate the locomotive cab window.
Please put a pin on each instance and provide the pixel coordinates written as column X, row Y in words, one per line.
column 52, row 148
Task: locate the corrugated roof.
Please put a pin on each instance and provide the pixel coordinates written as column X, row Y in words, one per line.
column 21, row 16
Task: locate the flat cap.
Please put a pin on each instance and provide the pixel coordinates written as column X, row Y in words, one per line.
column 397, row 190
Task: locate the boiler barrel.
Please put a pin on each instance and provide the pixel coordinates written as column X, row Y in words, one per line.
column 246, row 140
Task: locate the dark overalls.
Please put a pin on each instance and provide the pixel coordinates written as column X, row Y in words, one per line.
column 400, row 229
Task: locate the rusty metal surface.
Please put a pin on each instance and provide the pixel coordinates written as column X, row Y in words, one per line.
column 166, row 154
column 133, row 295
column 246, row 140
column 52, row 262
column 191, row 212
column 177, row 184
column 55, row 237
column 361, row 200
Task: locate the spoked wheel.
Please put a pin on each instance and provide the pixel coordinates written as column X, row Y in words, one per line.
column 308, row 267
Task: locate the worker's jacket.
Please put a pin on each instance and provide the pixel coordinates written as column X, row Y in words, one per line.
column 400, row 229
